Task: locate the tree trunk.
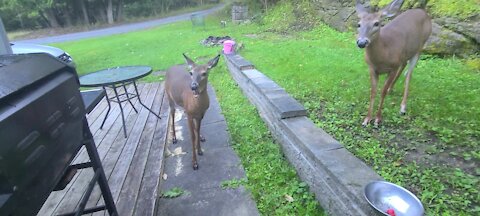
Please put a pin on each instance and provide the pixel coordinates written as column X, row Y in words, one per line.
column 43, row 21
column 84, row 12
column 52, row 20
column 20, row 19
column 266, row 7
column 119, row 16
column 109, row 12
column 68, row 20
column 67, row 14
column 163, row 7
column 101, row 15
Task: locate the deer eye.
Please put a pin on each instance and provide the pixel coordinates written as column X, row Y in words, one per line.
column 204, row 74
column 358, row 25
column 376, row 24
column 191, row 73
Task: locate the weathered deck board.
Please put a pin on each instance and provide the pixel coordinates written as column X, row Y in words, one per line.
column 129, row 193
column 104, row 148
column 130, row 164
column 55, row 199
column 125, row 156
column 147, row 196
column 107, row 151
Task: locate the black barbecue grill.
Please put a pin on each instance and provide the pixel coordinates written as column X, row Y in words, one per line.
column 42, row 128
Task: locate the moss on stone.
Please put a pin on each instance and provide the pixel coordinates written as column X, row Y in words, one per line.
column 440, row 8
column 473, row 63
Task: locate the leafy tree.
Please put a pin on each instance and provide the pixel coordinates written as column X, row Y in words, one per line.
column 21, row 14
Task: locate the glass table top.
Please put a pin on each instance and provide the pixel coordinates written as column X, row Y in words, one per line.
column 114, row 75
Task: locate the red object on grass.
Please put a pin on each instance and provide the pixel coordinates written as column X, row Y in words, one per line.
column 391, row 212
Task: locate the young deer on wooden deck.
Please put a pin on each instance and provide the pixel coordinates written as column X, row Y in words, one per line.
column 188, row 89
column 388, row 48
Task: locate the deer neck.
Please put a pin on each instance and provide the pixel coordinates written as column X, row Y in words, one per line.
column 196, row 106
column 376, row 51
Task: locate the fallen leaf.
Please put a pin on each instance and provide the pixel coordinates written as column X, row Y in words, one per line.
column 164, row 176
column 174, row 192
column 178, row 151
column 168, row 152
column 288, row 198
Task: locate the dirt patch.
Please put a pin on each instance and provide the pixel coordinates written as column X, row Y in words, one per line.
column 429, row 151
column 424, row 155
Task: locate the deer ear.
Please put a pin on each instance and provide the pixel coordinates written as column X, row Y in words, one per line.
column 189, row 61
column 392, row 9
column 212, row 63
column 360, row 8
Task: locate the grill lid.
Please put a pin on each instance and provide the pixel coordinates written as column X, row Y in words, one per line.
column 17, row 74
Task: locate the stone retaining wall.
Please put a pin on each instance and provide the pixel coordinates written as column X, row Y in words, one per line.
column 335, row 175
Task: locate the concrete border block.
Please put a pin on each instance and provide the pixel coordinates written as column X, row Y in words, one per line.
column 240, row 62
column 283, row 105
column 335, row 175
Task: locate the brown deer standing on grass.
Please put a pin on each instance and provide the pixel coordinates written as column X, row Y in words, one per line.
column 188, row 89
column 388, row 48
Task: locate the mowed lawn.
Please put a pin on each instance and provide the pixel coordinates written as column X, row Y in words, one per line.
column 433, row 150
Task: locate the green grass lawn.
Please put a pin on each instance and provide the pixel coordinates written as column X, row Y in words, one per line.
column 433, row 150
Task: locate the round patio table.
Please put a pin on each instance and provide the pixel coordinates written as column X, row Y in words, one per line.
column 115, row 78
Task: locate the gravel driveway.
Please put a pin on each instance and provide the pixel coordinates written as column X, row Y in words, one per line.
column 119, row 29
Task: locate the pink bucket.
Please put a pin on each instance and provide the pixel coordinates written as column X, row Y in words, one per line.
column 228, row 46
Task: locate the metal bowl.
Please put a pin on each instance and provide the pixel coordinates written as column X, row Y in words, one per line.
column 382, row 195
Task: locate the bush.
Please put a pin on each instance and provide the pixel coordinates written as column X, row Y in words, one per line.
column 288, row 15
column 280, row 18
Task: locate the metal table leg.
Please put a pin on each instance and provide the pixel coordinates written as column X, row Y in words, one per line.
column 121, row 110
column 109, row 107
column 138, row 95
column 128, row 97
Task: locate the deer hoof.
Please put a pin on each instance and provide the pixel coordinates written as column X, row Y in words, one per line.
column 174, row 140
column 195, row 166
column 202, row 138
column 200, row 152
column 366, row 121
column 377, row 122
column 403, row 109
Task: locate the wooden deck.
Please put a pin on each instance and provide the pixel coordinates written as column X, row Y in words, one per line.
column 132, row 165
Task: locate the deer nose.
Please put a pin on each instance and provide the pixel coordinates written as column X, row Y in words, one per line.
column 362, row 43
column 194, row 86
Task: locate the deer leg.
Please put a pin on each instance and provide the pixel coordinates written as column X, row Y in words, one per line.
column 196, row 124
column 373, row 93
column 397, row 75
column 171, row 123
column 388, row 82
column 412, row 63
column 194, row 140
